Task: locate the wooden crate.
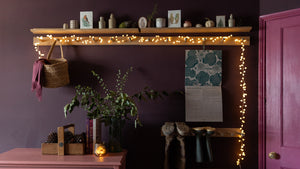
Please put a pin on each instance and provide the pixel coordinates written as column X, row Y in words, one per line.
column 61, row 148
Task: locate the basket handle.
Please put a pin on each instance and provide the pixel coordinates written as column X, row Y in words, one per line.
column 51, row 50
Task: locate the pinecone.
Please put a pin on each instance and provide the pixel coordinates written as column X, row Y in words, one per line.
column 68, row 137
column 79, row 138
column 52, row 138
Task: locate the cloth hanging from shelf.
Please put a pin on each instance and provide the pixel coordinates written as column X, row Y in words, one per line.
column 36, row 78
column 203, row 78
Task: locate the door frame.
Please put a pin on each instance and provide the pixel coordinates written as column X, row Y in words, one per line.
column 262, row 81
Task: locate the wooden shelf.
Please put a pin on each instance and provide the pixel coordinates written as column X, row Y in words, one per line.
column 145, row 36
column 219, row 132
column 224, row 132
column 84, row 31
column 227, row 132
column 139, row 31
column 195, row 30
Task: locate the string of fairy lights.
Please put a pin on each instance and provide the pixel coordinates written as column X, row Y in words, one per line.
column 243, row 104
column 135, row 40
column 165, row 40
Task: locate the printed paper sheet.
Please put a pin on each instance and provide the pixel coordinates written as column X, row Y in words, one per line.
column 203, row 78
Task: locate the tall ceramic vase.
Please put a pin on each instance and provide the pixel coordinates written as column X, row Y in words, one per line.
column 115, row 134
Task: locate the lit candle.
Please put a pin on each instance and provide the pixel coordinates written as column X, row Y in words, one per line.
column 100, row 150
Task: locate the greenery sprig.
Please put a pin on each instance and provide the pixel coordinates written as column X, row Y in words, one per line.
column 108, row 104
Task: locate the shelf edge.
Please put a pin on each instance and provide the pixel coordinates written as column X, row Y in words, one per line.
column 143, row 30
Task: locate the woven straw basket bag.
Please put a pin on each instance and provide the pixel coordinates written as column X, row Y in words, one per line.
column 55, row 72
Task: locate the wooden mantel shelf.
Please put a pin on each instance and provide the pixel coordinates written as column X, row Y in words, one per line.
column 145, row 36
column 144, row 30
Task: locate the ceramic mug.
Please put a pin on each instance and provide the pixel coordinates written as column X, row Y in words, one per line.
column 74, row 24
column 160, row 22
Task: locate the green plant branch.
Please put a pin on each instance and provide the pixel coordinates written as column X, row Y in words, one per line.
column 113, row 103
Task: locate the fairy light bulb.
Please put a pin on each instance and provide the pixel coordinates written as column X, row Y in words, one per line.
column 36, row 47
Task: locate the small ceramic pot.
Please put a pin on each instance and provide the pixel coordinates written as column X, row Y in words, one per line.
column 187, row 24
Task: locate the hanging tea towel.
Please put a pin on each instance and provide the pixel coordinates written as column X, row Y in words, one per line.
column 36, row 78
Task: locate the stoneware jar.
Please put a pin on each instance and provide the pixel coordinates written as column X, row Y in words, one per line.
column 101, row 23
column 112, row 21
column 231, row 21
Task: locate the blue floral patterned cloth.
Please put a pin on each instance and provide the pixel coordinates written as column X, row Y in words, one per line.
column 203, row 67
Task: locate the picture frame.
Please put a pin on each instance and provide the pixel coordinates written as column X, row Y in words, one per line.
column 220, row 21
column 142, row 23
column 86, row 20
column 174, row 18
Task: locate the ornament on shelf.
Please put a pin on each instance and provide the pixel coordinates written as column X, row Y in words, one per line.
column 65, row 26
column 198, row 25
column 101, row 23
column 187, row 24
column 74, row 24
column 125, row 24
column 112, row 21
column 220, row 21
column 160, row 22
column 231, row 21
column 209, row 23
column 142, row 23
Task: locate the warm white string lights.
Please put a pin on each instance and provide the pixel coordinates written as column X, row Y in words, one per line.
column 243, row 103
column 165, row 40
column 138, row 40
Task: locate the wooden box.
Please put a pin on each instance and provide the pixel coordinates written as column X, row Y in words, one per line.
column 61, row 148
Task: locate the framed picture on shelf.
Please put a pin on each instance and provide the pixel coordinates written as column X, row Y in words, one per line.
column 220, row 21
column 86, row 20
column 142, row 22
column 174, row 18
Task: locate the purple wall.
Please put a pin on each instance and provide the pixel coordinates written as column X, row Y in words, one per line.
column 272, row 6
column 25, row 122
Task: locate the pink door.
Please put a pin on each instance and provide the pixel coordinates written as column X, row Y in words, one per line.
column 282, row 90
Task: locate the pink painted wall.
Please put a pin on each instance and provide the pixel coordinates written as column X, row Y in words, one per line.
column 25, row 122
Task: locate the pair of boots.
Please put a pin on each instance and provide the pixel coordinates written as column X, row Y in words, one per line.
column 171, row 131
column 203, row 145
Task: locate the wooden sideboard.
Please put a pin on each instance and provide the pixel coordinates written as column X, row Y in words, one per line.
column 30, row 158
